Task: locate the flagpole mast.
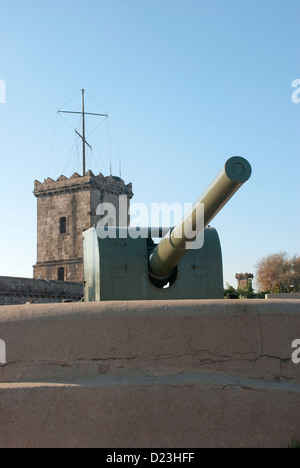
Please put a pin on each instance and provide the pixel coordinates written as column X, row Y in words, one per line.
column 83, row 134
column 84, row 142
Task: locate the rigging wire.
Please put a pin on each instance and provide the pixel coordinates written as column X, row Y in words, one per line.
column 90, row 135
column 101, row 108
column 94, row 144
column 53, row 143
column 69, row 100
column 109, row 147
column 96, row 128
column 77, row 153
column 65, row 120
column 120, row 163
column 70, row 156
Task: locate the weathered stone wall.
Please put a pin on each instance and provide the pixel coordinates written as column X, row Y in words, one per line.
column 15, row 291
column 75, row 199
column 57, row 250
column 244, row 279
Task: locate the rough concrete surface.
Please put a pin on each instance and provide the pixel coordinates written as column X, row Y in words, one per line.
column 150, row 374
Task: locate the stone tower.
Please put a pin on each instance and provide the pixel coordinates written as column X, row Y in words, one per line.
column 244, row 279
column 65, row 208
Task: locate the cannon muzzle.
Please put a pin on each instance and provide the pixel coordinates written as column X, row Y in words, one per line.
column 172, row 248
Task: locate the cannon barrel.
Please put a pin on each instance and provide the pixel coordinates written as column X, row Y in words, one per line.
column 168, row 253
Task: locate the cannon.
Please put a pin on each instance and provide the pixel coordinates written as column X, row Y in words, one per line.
column 185, row 264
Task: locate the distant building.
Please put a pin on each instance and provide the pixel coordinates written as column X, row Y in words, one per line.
column 65, row 208
column 244, row 279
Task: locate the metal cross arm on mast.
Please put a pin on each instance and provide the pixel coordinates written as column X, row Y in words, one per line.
column 83, row 113
column 82, row 139
column 86, row 113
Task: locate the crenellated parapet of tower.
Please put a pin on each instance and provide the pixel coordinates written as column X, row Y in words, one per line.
column 76, row 182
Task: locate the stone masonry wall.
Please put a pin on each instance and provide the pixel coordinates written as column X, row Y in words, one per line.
column 76, row 199
column 57, row 250
column 15, row 291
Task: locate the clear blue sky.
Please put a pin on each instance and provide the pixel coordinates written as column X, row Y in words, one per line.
column 186, row 83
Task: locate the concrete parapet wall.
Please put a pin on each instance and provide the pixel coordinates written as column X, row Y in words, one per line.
column 150, row 374
column 283, row 296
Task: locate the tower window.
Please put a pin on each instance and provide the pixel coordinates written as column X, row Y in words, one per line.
column 63, row 225
column 61, row 274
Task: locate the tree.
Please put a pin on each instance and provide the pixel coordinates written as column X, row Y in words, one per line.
column 278, row 273
column 295, row 261
column 247, row 292
column 230, row 292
